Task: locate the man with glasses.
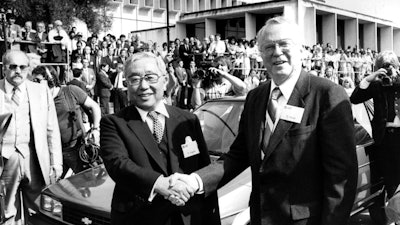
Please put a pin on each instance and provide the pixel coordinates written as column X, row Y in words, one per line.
column 145, row 143
column 31, row 147
column 296, row 133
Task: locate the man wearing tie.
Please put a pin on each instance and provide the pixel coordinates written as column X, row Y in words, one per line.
column 386, row 121
column 185, row 53
column 88, row 77
column 41, row 36
column 145, row 143
column 120, row 91
column 31, row 147
column 296, row 133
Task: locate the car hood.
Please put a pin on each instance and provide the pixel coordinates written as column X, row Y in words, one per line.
column 91, row 188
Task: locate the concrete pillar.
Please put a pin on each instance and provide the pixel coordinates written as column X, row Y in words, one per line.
column 309, row 26
column 180, row 31
column 396, row 41
column 351, row 33
column 329, row 29
column 370, row 40
column 386, row 38
column 290, row 12
column 250, row 26
column 211, row 27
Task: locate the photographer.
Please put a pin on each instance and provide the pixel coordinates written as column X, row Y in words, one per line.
column 215, row 82
column 383, row 86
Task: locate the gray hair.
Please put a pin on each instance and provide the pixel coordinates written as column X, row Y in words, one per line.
column 145, row 55
column 7, row 55
column 386, row 57
column 280, row 20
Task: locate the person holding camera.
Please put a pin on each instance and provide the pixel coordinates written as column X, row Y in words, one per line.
column 216, row 82
column 68, row 101
column 383, row 86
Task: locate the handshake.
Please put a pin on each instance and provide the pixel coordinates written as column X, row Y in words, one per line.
column 177, row 188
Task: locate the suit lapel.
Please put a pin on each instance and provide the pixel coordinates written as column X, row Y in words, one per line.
column 171, row 123
column 145, row 137
column 300, row 90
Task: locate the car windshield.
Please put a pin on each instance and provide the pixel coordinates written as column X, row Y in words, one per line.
column 219, row 120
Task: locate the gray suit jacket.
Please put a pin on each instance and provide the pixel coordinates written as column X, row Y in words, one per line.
column 44, row 123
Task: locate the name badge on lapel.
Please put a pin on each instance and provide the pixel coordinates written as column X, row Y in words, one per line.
column 292, row 113
column 190, row 147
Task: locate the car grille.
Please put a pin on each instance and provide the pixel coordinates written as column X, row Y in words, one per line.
column 76, row 216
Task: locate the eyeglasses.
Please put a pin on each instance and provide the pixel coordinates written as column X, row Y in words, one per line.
column 284, row 46
column 149, row 78
column 14, row 67
column 37, row 80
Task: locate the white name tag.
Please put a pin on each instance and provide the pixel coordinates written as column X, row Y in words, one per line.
column 190, row 147
column 292, row 113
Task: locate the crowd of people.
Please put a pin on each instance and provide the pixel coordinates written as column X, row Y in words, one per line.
column 183, row 73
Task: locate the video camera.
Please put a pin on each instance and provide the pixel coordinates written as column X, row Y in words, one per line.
column 204, row 72
column 389, row 78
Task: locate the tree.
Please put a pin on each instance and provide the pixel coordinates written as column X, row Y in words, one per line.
column 92, row 12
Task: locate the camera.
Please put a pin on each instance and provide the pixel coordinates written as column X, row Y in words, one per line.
column 389, row 78
column 204, row 72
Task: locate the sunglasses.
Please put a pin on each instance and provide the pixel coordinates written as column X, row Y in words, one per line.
column 14, row 67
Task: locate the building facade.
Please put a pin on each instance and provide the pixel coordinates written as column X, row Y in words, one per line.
column 342, row 23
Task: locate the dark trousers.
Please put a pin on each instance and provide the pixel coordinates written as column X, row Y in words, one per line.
column 105, row 105
column 71, row 159
column 388, row 159
column 120, row 99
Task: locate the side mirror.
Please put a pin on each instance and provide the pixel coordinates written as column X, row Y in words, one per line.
column 5, row 120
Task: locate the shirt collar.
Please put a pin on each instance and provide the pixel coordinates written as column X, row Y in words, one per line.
column 160, row 108
column 287, row 86
column 9, row 87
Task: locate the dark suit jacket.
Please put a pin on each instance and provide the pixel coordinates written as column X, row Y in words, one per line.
column 182, row 51
column 309, row 172
column 31, row 47
column 381, row 112
column 133, row 161
column 103, row 84
column 111, row 62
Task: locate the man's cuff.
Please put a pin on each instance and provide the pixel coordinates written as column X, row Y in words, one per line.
column 199, row 183
column 152, row 193
column 364, row 84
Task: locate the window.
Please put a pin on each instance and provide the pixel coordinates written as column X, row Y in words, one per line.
column 163, row 4
column 177, row 5
column 149, row 3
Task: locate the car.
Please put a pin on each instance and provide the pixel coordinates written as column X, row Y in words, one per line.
column 85, row 198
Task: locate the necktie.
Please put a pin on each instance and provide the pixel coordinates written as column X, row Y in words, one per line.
column 157, row 127
column 16, row 97
column 272, row 109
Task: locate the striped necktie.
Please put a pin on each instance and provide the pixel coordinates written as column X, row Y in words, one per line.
column 157, row 127
column 16, row 96
column 272, row 109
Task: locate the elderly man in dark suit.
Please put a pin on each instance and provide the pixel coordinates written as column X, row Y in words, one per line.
column 296, row 133
column 145, row 143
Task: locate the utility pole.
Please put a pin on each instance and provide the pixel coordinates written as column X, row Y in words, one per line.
column 168, row 24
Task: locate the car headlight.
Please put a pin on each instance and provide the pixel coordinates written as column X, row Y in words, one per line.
column 51, row 205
